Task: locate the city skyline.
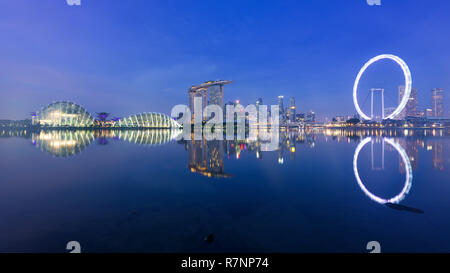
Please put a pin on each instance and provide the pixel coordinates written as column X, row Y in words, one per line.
column 218, row 135
column 166, row 57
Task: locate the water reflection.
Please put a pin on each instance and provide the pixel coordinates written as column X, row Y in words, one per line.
column 437, row 148
column 65, row 143
column 406, row 163
column 207, row 157
column 313, row 192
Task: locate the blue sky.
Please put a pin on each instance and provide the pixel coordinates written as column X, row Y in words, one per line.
column 134, row 56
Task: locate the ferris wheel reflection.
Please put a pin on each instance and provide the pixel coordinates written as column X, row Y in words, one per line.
column 406, row 162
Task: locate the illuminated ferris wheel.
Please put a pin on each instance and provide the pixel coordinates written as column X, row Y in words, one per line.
column 406, row 95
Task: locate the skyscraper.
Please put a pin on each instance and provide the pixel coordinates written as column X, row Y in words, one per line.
column 411, row 106
column 211, row 93
column 292, row 110
column 311, row 117
column 259, row 102
column 437, row 102
column 281, row 107
column 216, row 95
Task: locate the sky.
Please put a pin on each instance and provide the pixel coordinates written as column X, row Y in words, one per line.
column 126, row 57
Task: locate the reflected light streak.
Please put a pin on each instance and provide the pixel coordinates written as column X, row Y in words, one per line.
column 409, row 175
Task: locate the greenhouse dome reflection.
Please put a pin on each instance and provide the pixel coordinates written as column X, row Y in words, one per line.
column 64, row 143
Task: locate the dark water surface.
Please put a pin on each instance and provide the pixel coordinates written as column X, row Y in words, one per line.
column 140, row 191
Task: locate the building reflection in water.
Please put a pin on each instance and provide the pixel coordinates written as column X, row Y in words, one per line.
column 437, row 155
column 64, row 143
column 411, row 146
column 206, row 157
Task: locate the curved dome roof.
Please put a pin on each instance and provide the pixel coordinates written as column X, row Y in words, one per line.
column 64, row 114
column 148, row 120
column 148, row 137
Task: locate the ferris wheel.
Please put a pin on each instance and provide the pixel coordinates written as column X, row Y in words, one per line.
column 408, row 85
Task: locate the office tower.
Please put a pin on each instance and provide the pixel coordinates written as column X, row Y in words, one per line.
column 428, row 112
column 410, row 109
column 281, row 107
column 388, row 111
column 437, row 102
column 259, row 102
column 311, row 117
column 197, row 95
column 292, row 110
column 216, row 95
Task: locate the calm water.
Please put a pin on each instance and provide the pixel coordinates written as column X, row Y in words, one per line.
column 140, row 191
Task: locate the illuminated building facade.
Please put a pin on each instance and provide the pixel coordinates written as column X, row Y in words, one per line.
column 259, row 102
column 281, row 107
column 63, row 114
column 292, row 110
column 410, row 109
column 388, row 111
column 437, row 102
column 70, row 115
column 147, row 120
column 210, row 93
column 311, row 117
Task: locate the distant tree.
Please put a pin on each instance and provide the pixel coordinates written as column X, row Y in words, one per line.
column 353, row 121
column 102, row 116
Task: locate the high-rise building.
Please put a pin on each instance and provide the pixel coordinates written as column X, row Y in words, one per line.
column 259, row 102
column 281, row 107
column 292, row 110
column 216, row 95
column 437, row 102
column 410, row 109
column 388, row 111
column 311, row 117
column 210, row 93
